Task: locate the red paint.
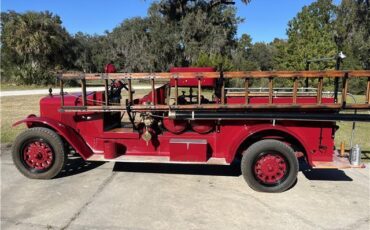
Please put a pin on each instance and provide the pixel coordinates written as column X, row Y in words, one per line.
column 38, row 155
column 110, row 68
column 88, row 132
column 175, row 126
column 188, row 150
column 270, row 168
column 160, row 96
column 202, row 127
column 110, row 150
column 75, row 140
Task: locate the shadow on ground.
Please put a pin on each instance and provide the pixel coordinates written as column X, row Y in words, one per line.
column 322, row 174
column 187, row 169
column 76, row 165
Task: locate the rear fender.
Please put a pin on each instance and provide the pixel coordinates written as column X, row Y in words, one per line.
column 69, row 134
column 245, row 134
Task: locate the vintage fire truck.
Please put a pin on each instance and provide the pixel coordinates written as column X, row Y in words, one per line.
column 192, row 118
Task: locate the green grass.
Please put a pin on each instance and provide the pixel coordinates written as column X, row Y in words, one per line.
column 17, row 108
column 361, row 135
column 14, row 109
column 11, row 87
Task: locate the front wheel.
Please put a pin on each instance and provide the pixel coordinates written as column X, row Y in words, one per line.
column 38, row 153
column 269, row 166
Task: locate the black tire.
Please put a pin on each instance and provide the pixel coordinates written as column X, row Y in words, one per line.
column 284, row 171
column 51, row 145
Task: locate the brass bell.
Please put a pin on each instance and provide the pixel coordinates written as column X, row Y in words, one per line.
column 147, row 137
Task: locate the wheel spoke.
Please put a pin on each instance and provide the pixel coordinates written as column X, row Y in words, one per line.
column 37, row 155
column 270, row 168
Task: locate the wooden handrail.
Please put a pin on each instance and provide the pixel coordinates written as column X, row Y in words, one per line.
column 240, row 74
column 222, row 104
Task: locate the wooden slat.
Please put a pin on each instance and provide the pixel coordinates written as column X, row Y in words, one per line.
column 270, row 89
column 199, row 90
column 319, row 90
column 153, row 92
column 295, row 89
column 284, row 74
column 368, row 91
column 344, row 90
column 106, row 91
column 61, row 92
column 238, row 74
column 358, row 73
column 130, row 99
column 83, row 88
column 246, row 85
column 223, row 92
column 176, row 91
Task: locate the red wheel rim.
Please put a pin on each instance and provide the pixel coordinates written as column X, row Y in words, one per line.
column 271, row 168
column 37, row 155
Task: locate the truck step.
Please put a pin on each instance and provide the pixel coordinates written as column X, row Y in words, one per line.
column 155, row 159
column 337, row 163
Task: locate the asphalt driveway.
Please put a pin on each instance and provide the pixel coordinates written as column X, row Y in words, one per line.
column 157, row 196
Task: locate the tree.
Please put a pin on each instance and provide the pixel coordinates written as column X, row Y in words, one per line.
column 33, row 45
column 263, row 54
column 310, row 35
column 174, row 33
column 211, row 32
column 221, row 63
column 241, row 54
column 175, row 10
column 281, row 58
column 83, row 47
column 201, row 26
column 352, row 28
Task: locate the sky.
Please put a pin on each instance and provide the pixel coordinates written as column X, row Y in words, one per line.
column 264, row 19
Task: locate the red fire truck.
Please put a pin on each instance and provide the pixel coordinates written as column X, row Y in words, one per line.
column 206, row 123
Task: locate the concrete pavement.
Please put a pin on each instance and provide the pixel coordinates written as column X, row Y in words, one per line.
column 157, row 196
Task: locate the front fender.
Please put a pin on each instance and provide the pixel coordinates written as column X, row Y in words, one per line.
column 69, row 134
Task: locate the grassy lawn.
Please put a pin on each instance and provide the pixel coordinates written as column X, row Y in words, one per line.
column 14, row 109
column 11, row 87
column 17, row 108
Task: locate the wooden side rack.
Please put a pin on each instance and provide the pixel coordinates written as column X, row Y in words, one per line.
column 294, row 76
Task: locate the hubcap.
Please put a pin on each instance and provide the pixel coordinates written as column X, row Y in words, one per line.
column 270, row 168
column 37, row 155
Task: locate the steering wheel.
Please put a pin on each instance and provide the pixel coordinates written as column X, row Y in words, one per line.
column 118, row 85
column 115, row 90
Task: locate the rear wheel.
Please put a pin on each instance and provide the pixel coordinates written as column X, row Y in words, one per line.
column 38, row 153
column 269, row 166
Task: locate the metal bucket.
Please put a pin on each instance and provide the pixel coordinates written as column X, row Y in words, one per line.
column 355, row 156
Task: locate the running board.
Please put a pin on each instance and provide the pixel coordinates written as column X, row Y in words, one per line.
column 155, row 159
column 337, row 163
